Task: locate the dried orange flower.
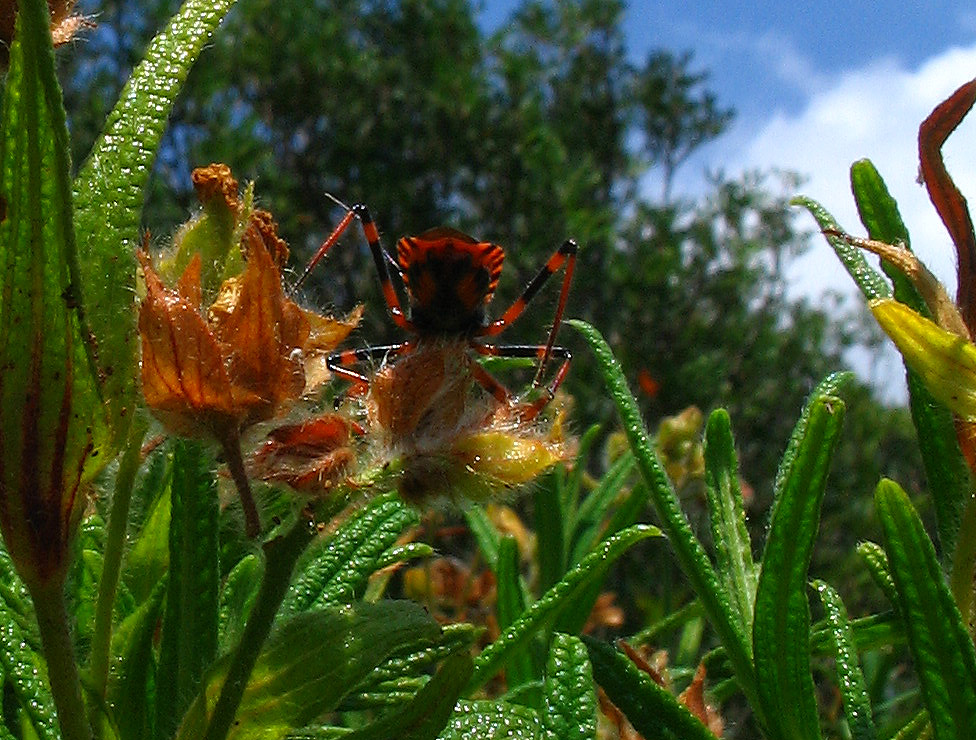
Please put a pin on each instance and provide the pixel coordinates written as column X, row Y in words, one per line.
column 210, row 372
column 310, row 457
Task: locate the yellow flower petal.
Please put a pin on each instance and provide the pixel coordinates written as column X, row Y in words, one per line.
column 945, row 361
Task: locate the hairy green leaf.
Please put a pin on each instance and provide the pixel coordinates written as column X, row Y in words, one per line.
column 938, row 639
column 109, row 196
column 651, row 709
column 426, row 714
column 850, row 678
column 55, row 431
column 570, row 698
column 869, row 280
column 490, row 720
column 593, row 566
column 945, row 467
column 733, row 548
column 337, row 568
column 287, row 690
column 689, row 551
column 781, row 624
column 189, row 642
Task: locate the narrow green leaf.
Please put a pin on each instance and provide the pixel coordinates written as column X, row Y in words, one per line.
column 879, row 211
column 510, row 606
column 917, row 728
column 148, row 559
column 484, row 533
column 938, row 639
column 428, row 712
column 236, row 599
column 869, row 280
column 550, row 528
column 733, row 548
column 688, row 550
column 336, row 569
column 829, row 386
column 286, row 690
column 877, row 562
column 570, row 710
column 850, row 678
column 945, row 467
column 189, row 642
column 594, row 508
column 130, row 679
column 593, row 566
column 109, row 197
column 651, row 709
column 492, row 720
column 781, row 625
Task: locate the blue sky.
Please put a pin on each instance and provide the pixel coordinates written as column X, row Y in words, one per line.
column 815, row 87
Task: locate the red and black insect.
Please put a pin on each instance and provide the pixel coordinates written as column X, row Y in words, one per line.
column 450, row 278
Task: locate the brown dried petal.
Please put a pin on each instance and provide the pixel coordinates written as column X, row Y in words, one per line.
column 215, row 181
column 183, row 376
column 311, row 457
column 258, row 332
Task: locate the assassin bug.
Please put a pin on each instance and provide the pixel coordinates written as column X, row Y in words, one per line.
column 450, row 278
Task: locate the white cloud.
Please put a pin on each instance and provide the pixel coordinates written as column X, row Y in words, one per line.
column 871, row 112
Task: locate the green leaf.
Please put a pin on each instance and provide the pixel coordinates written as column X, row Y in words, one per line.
column 877, row 562
column 550, row 528
column 510, row 606
column 594, row 508
column 287, row 690
column 109, row 197
column 484, row 533
column 129, row 688
column 570, row 710
column 652, row 710
column 733, row 548
column 148, row 559
column 336, row 569
column 54, row 425
column 688, row 550
column 850, row 678
column 593, row 566
column 385, row 684
column 938, row 639
column 25, row 676
column 945, row 467
column 781, row 625
column 490, row 720
column 189, row 642
column 869, row 280
column 236, row 599
column 829, row 386
column 428, row 712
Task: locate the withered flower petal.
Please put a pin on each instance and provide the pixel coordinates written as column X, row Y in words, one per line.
column 184, row 379
column 311, row 457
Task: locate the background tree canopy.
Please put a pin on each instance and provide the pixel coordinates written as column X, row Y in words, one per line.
column 543, row 130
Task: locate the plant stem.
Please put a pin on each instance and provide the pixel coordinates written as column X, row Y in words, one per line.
column 52, row 621
column 231, row 444
column 112, row 561
column 281, row 555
